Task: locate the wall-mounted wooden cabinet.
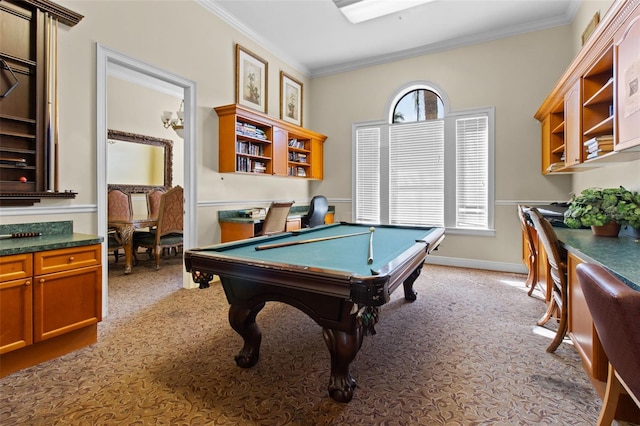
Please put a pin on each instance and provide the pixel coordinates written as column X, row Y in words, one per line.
column 591, row 117
column 254, row 143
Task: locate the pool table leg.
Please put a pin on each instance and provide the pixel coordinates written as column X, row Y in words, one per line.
column 409, row 293
column 343, row 348
column 243, row 321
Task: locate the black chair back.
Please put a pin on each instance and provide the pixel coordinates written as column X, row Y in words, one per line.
column 318, row 208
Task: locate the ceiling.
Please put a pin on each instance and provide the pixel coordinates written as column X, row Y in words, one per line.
column 315, row 38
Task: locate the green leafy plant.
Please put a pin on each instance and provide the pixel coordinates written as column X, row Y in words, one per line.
column 597, row 207
column 630, row 210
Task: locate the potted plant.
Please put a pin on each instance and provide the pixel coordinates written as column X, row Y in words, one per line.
column 609, row 208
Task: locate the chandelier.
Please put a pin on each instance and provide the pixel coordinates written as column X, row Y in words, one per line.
column 174, row 121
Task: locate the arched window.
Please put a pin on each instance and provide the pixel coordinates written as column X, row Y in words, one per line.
column 425, row 165
column 418, row 105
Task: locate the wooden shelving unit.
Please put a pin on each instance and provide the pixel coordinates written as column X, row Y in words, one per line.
column 254, row 143
column 585, row 119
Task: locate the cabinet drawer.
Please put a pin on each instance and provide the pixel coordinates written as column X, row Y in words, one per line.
column 46, row 262
column 16, row 266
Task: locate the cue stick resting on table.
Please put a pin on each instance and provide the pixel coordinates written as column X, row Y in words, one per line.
column 370, row 258
column 312, row 240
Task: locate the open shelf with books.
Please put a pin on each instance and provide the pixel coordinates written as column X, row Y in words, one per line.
column 299, row 157
column 253, row 142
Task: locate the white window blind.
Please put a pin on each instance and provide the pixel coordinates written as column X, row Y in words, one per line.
column 416, row 173
column 472, row 163
column 368, row 175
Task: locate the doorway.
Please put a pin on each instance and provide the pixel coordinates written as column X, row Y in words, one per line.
column 110, row 62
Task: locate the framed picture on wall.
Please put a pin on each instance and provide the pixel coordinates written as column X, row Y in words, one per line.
column 290, row 99
column 251, row 79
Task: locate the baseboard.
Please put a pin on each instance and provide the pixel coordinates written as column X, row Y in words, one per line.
column 477, row 264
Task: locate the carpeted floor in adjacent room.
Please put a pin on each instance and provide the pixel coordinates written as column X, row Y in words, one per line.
column 464, row 353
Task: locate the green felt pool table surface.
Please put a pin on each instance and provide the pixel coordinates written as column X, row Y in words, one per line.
column 348, row 254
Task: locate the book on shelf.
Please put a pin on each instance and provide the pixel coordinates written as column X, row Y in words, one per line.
column 598, row 139
column 607, row 146
column 295, row 143
column 597, row 153
column 247, row 129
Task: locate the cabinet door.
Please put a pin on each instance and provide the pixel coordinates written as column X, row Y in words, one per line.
column 628, row 83
column 280, row 141
column 66, row 301
column 16, row 314
column 293, row 224
column 573, row 131
column 581, row 329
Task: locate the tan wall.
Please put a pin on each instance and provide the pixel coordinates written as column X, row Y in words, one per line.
column 506, row 74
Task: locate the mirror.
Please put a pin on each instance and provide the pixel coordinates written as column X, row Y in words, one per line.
column 138, row 163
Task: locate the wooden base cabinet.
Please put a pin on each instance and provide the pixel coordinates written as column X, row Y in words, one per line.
column 581, row 329
column 52, row 308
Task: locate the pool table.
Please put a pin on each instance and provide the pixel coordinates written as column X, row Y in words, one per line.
column 323, row 271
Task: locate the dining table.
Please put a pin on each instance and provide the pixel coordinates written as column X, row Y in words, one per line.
column 125, row 227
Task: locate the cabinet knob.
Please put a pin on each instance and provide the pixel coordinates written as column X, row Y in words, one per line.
column 41, row 280
column 71, row 259
column 27, row 282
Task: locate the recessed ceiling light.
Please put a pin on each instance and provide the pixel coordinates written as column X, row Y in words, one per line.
column 363, row 10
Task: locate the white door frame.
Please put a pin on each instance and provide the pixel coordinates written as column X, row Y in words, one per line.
column 111, row 62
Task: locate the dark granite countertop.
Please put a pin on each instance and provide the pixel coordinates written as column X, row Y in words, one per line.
column 620, row 255
column 55, row 235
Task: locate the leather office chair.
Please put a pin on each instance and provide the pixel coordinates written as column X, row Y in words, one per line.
column 318, row 208
column 614, row 307
column 557, row 259
column 532, row 261
column 275, row 221
column 169, row 231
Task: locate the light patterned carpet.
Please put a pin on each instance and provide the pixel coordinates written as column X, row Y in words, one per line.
column 464, row 353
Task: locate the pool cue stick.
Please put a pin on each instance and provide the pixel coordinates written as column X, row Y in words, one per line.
column 312, row 240
column 370, row 258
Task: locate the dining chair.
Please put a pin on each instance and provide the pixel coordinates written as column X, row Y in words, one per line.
column 532, row 260
column 318, row 208
column 113, row 245
column 118, row 206
column 153, row 202
column 557, row 259
column 168, row 233
column 275, row 221
column 614, row 308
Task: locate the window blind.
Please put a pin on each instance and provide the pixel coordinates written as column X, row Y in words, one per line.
column 416, row 173
column 472, row 163
column 368, row 175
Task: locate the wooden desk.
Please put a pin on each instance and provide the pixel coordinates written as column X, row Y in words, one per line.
column 124, row 234
column 239, row 228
